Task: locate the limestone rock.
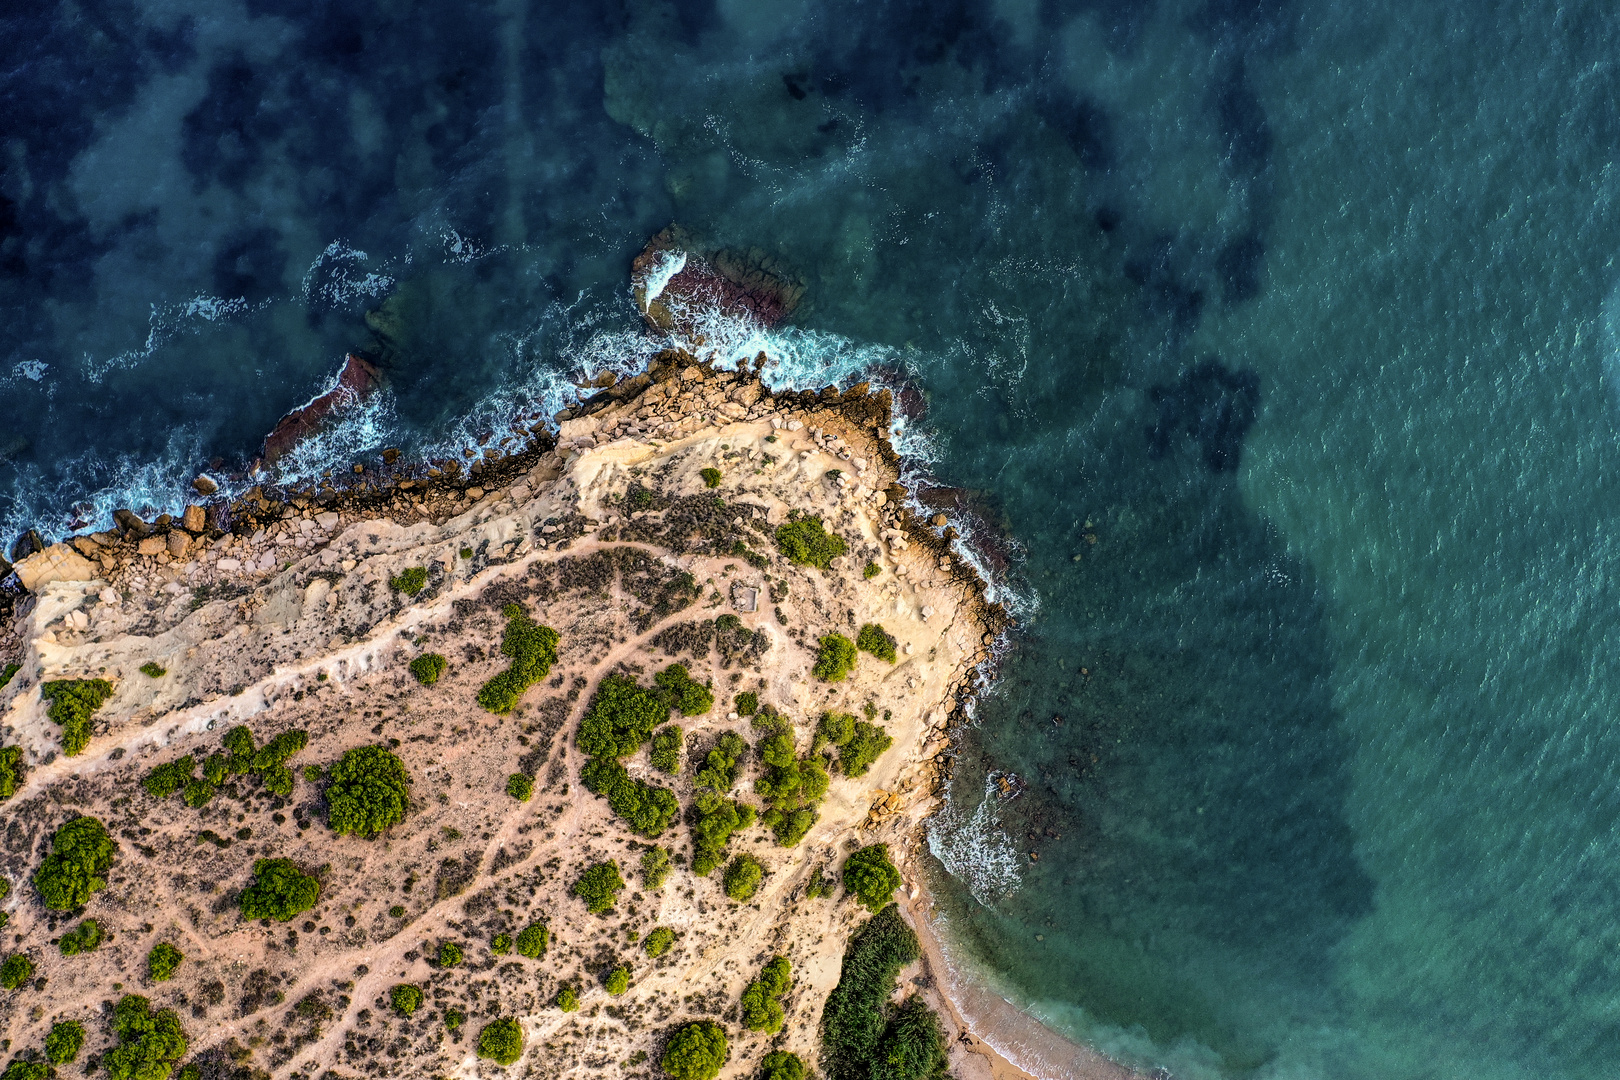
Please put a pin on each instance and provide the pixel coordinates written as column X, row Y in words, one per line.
column 152, row 545
column 204, row 486
column 56, row 563
column 178, row 543
column 194, row 520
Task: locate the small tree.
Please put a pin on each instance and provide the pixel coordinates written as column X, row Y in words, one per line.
column 429, row 668
column 742, row 878
column 21, row 1069
column 680, row 691
column 533, row 649
column 64, row 1041
column 761, row 1004
column 781, row 1065
column 76, row 869
column 149, row 1043
column 168, row 778
column 870, row 877
column 501, row 1041
column 659, row 941
column 369, row 792
column 806, row 542
column 279, row 891
column 654, row 866
column 599, row 886
column 665, row 754
column 746, row 703
column 868, row 743
column 520, row 786
column 12, row 770
column 696, row 1051
column 162, row 961
column 568, row 999
column 618, row 981
column 501, row 944
column 81, row 939
column 450, row 954
column 532, row 941
column 405, row 998
column 834, row 659
column 877, row 641
column 16, row 971
column 73, row 703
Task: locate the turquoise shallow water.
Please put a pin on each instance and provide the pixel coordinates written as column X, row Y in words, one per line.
column 1297, row 322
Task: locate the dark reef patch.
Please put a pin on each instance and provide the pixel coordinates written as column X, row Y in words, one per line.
column 1213, row 405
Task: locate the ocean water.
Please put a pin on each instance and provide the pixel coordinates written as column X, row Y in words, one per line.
column 1275, row 343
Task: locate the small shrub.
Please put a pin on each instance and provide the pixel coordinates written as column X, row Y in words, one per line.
column 216, row 768
column 761, row 1004
column 680, row 691
column 81, row 939
column 665, row 754
column 466, row 553
column 76, row 869
column 369, row 792
column 872, row 570
column 449, row 954
column 501, row 945
column 696, row 1051
column 532, row 649
column 746, row 703
column 835, row 658
column 454, row 1018
column 870, row 877
column 312, row 773
column 410, row 582
column 279, row 891
column 153, row 670
column 397, row 911
column 168, row 778
column 654, row 867
column 197, row 793
column 781, row 1065
column 501, row 1041
column 742, row 878
column 532, row 940
column 806, row 542
column 599, row 886
column 819, row 885
column 16, row 971
column 877, row 641
column 867, row 744
column 711, row 477
column 429, row 668
column 12, row 770
column 659, row 941
column 568, row 999
column 713, row 820
column 21, row 1069
column 6, row 675
column 520, row 786
column 618, row 981
column 64, row 1041
column 73, row 703
column 162, row 962
column 405, row 998
column 239, row 741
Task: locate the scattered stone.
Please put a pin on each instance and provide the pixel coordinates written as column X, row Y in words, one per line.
column 204, row 486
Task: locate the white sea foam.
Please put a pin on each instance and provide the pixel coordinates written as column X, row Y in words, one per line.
column 669, row 264
column 31, row 369
column 339, row 276
column 974, row 848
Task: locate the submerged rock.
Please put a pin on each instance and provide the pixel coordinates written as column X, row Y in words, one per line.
column 357, row 381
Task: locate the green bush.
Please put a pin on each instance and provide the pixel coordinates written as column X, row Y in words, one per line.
column 81, row 939
column 20, row 1069
column 12, row 770
column 618, row 981
column 405, row 998
column 654, row 867
column 680, row 691
column 152, row 669
column 854, row 1020
column 599, row 887
column 16, row 971
column 835, row 658
column 568, row 999
column 877, row 641
column 312, row 773
column 781, row 1065
column 837, row 727
column 665, row 754
column 532, row 940
column 791, row 787
column 454, row 1018
column 711, row 477
column 64, row 1041
column 872, row 570
column 520, row 786
column 279, row 891
column 761, row 1000
column 806, row 542
column 647, row 808
column 410, row 582
column 620, row 718
column 870, row 877
column 216, row 769
column 742, row 878
column 397, row 911
column 659, row 941
column 369, row 792
column 149, row 1043
column 746, row 703
column 912, row 1046
column 713, row 820
column 76, row 869
column 239, row 741
column 450, row 954
column 719, row 768
column 429, row 668
column 532, row 649
column 198, row 792
column 501, row 944
column 789, row 826
column 696, row 1051
column 162, row 962
column 501, row 1041
column 279, row 750
column 73, row 703
column 868, row 743
column 6, row 675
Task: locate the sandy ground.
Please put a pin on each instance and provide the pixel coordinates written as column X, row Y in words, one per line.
column 294, row 625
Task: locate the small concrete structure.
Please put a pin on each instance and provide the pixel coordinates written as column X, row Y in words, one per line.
column 744, row 599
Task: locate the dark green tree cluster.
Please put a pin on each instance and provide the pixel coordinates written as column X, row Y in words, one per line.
column 599, row 886
column 713, row 819
column 532, row 649
column 665, row 752
column 719, row 768
column 870, row 877
column 76, row 869
column 835, row 658
column 658, row 941
column 429, row 668
column 410, row 582
column 863, row 1036
column 859, row 743
column 163, row 961
column 12, row 770
column 654, row 867
column 501, row 1041
column 647, row 808
column 16, row 971
column 791, row 786
column 618, row 981
column 279, row 891
column 520, row 786
column 73, row 703
column 696, row 1051
column 369, row 792
column 86, row 937
column 746, row 703
column 679, row 690
column 781, row 1065
column 405, row 998
column 877, row 641
column 742, row 877
column 64, row 1041
column 149, row 1043
column 762, row 998
column 240, row 757
column 806, row 542
column 532, row 940
column 620, row 718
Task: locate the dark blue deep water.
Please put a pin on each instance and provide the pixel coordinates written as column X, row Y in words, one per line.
column 1296, row 321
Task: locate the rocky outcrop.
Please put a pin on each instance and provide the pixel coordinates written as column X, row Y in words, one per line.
column 357, row 381
column 675, row 283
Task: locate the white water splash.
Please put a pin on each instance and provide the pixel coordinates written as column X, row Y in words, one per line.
column 974, row 848
column 669, row 264
column 338, row 276
column 33, row 370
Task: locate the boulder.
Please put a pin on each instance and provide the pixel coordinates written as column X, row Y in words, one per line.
column 204, row 486
column 131, row 523
column 86, row 546
column 152, row 545
column 356, row 381
column 56, row 563
column 29, row 543
column 178, row 542
column 195, row 519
